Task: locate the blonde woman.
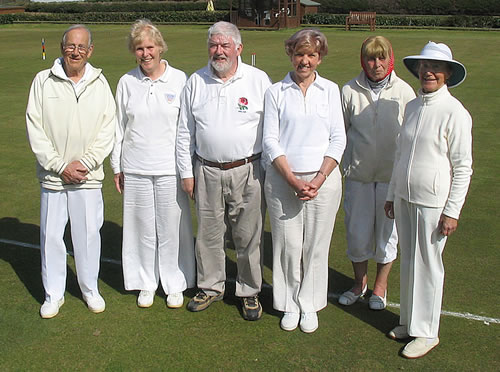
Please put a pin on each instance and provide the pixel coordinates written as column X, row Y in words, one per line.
column 373, row 104
column 157, row 233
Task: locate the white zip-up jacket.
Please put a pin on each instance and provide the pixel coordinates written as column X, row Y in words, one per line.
column 372, row 127
column 63, row 126
column 434, row 157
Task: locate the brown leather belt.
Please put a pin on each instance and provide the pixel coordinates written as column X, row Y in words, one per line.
column 230, row 164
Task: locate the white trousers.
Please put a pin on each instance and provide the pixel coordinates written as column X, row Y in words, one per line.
column 422, row 269
column 84, row 208
column 370, row 234
column 158, row 241
column 301, row 232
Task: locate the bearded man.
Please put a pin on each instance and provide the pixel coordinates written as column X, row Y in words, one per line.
column 219, row 146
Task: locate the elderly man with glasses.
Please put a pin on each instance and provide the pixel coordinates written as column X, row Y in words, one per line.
column 70, row 122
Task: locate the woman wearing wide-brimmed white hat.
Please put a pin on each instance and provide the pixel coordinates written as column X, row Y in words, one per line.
column 428, row 187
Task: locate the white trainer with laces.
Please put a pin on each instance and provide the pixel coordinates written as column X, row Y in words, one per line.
column 308, row 322
column 175, row 300
column 290, row 321
column 95, row 303
column 145, row 299
column 51, row 309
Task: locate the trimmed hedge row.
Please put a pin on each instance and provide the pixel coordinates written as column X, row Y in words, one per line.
column 128, row 17
column 420, row 7
column 410, row 21
column 113, row 7
column 211, row 17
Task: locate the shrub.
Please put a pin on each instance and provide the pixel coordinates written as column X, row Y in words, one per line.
column 128, row 17
column 411, row 21
column 127, row 6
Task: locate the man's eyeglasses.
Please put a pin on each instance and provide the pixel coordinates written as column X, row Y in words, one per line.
column 79, row 48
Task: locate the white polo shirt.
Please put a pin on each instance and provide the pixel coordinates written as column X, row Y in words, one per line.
column 221, row 121
column 147, row 112
column 304, row 128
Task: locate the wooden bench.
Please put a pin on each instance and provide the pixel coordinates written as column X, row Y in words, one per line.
column 360, row 18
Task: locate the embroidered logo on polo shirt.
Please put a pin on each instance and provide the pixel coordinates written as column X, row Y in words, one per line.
column 242, row 104
column 170, row 97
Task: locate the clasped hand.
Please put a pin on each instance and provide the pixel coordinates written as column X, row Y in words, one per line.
column 75, row 173
column 305, row 190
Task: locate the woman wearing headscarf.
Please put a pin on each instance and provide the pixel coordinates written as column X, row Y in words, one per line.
column 373, row 104
column 428, row 187
column 157, row 233
column 304, row 138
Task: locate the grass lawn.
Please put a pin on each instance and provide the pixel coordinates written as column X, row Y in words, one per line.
column 125, row 337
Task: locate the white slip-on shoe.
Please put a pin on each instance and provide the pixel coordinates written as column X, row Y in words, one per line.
column 290, row 321
column 378, row 303
column 399, row 333
column 175, row 300
column 51, row 309
column 145, row 298
column 95, row 303
column 419, row 347
column 349, row 297
column 308, row 322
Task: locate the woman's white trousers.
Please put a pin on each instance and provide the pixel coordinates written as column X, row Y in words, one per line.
column 301, row 232
column 422, row 269
column 158, row 241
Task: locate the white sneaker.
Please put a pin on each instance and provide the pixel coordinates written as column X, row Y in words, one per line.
column 95, row 303
column 308, row 322
column 290, row 321
column 145, row 299
column 419, row 347
column 399, row 333
column 50, row 309
column 175, row 300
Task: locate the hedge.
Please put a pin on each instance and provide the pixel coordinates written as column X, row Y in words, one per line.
column 212, row 17
column 419, row 7
column 128, row 17
column 129, row 6
column 410, row 21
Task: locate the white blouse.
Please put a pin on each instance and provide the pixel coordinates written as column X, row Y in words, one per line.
column 304, row 128
column 147, row 112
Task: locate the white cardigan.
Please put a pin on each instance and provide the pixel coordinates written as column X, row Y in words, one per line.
column 65, row 125
column 372, row 127
column 434, row 157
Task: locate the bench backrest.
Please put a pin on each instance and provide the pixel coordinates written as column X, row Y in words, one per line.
column 362, row 16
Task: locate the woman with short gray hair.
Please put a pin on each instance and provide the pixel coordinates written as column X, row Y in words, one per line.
column 304, row 139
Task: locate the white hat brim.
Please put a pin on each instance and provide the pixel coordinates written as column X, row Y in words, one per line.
column 458, row 72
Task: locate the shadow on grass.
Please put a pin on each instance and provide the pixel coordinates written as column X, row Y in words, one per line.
column 383, row 320
column 26, row 261
column 26, row 264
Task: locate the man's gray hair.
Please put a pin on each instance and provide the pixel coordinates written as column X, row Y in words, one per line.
column 75, row 27
column 226, row 29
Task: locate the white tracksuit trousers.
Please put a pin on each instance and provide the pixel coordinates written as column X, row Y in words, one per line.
column 422, row 269
column 84, row 208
